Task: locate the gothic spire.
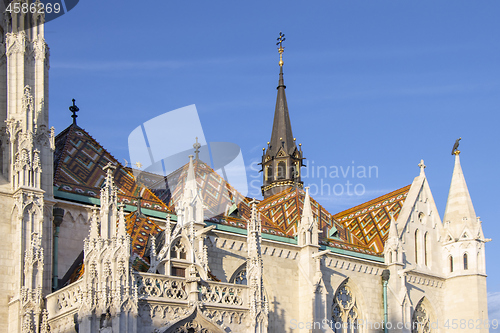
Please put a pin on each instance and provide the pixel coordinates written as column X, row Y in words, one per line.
column 281, row 136
column 459, row 205
column 281, row 161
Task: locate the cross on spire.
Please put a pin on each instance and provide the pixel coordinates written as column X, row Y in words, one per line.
column 281, row 49
column 421, row 165
column 73, row 108
column 196, row 147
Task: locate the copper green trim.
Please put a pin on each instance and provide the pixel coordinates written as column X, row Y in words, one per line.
column 94, row 201
column 240, row 231
column 352, row 253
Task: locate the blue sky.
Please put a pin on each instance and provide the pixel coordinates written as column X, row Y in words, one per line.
column 369, row 83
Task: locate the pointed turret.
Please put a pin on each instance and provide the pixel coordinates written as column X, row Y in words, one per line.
column 109, row 204
column 392, row 247
column 282, row 160
column 459, row 209
column 191, row 188
column 307, row 230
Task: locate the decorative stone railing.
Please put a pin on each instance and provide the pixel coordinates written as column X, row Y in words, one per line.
column 65, row 300
column 227, row 294
column 154, row 286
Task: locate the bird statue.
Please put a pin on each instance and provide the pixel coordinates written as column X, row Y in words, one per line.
column 455, row 146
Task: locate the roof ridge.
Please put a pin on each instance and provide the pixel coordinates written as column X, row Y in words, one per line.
column 355, row 208
column 70, row 130
column 57, row 169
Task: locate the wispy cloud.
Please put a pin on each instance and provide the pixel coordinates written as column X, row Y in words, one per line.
column 118, row 65
column 150, row 64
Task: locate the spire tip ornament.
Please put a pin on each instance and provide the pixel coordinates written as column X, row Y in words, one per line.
column 455, row 150
column 73, row 108
column 197, row 147
column 281, row 49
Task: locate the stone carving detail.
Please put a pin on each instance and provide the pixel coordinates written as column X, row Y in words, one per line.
column 15, row 43
column 344, row 310
column 70, row 297
column 192, row 327
column 221, row 294
column 421, row 322
column 161, row 286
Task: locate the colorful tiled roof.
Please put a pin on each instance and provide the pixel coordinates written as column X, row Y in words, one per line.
column 370, row 221
column 284, row 209
column 140, row 228
column 217, row 194
column 78, row 163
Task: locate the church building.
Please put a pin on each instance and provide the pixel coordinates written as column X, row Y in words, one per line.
column 90, row 245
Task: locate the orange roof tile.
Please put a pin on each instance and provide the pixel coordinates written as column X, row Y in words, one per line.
column 284, row 209
column 78, row 163
column 370, row 221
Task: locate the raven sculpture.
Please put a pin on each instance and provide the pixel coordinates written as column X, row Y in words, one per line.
column 455, row 146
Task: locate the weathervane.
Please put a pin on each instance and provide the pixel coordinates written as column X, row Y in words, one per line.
column 281, row 49
column 73, row 108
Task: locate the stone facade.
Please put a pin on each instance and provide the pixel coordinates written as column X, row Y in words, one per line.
column 203, row 276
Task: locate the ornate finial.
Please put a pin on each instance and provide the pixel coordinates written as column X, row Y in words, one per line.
column 455, row 150
column 73, row 108
column 196, row 147
column 281, row 49
column 421, row 165
column 138, row 165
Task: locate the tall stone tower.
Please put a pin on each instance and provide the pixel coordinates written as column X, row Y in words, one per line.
column 26, row 169
column 282, row 160
column 463, row 255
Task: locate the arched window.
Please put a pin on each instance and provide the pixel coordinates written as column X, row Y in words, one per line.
column 345, row 313
column 450, row 259
column 390, row 257
column 269, row 173
column 466, row 262
column 240, row 277
column 178, row 251
column 426, row 249
column 292, row 172
column 416, row 246
column 281, row 170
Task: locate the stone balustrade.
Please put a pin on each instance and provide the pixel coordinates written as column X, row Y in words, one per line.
column 155, row 286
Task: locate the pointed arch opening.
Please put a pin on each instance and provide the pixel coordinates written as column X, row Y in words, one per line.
column 416, row 246
column 466, row 261
column 240, row 277
column 281, row 170
column 426, row 249
column 450, row 263
column 178, row 258
column 422, row 317
column 345, row 311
